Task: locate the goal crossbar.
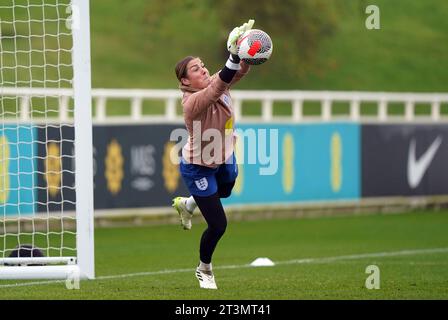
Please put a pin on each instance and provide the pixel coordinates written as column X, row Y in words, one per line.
column 38, row 261
column 42, row 272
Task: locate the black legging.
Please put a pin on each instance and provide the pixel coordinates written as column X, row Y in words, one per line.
column 213, row 212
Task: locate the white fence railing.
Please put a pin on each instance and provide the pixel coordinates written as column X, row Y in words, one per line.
column 296, row 99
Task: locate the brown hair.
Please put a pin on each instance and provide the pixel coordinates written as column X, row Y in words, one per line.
column 181, row 67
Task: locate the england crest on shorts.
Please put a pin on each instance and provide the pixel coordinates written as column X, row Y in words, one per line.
column 202, row 184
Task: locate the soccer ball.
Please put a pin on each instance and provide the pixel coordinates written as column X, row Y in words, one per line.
column 254, row 47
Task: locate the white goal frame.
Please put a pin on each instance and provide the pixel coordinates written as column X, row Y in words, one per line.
column 82, row 266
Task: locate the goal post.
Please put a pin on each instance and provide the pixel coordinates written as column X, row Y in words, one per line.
column 83, row 138
column 46, row 156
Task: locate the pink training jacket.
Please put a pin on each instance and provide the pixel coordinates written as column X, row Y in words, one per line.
column 210, row 120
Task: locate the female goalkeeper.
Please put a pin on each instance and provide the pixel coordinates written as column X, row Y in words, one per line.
column 208, row 165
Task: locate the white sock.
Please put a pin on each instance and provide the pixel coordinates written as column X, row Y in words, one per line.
column 190, row 204
column 205, row 266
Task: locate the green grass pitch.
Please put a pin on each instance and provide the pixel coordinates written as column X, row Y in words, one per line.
column 318, row 258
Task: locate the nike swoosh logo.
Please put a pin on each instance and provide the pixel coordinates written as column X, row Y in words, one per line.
column 417, row 168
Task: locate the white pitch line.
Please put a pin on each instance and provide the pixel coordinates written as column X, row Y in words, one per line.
column 365, row 255
column 295, row 261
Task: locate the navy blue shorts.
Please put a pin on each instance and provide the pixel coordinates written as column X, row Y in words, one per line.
column 203, row 181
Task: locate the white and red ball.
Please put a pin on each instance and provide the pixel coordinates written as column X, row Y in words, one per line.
column 254, row 47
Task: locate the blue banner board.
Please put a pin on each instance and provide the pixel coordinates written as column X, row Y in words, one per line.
column 17, row 165
column 290, row 163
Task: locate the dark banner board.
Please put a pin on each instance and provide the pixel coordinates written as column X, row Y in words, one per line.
column 404, row 160
column 132, row 166
column 56, row 168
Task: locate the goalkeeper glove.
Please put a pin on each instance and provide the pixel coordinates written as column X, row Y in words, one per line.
column 235, row 34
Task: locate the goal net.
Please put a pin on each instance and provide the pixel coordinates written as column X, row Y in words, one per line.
column 46, row 180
